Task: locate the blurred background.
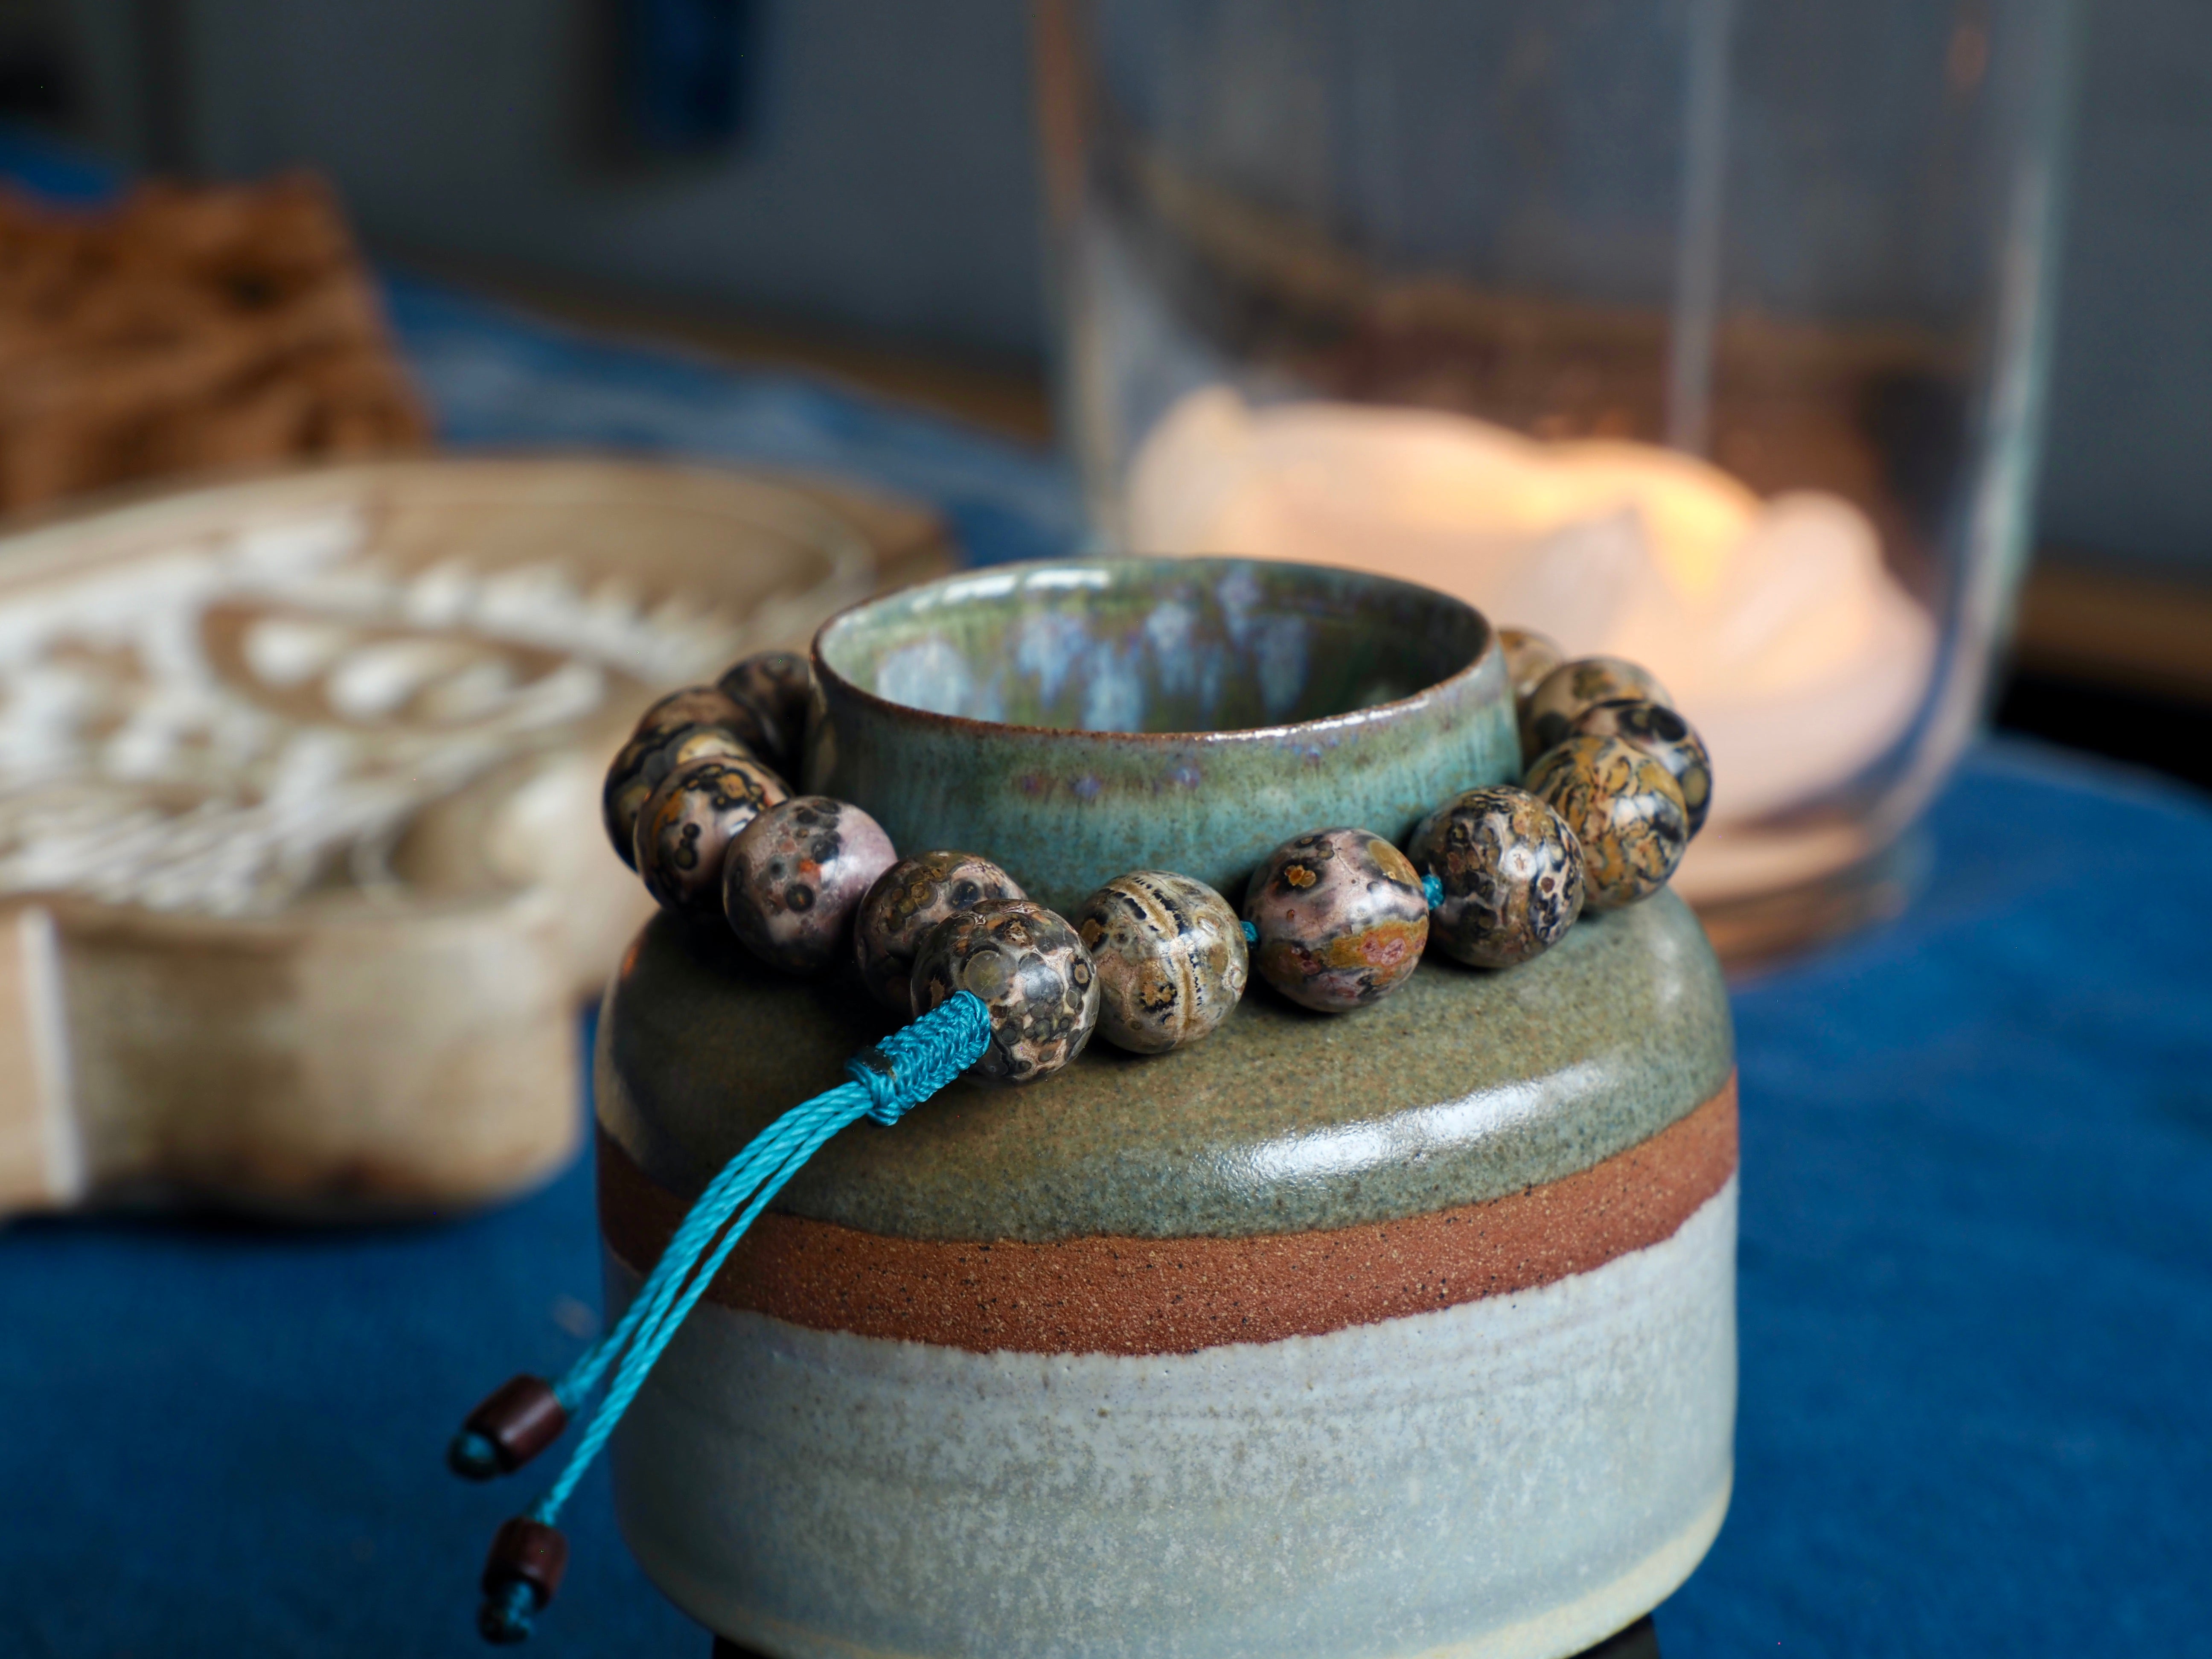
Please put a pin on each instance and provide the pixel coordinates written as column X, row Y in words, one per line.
column 855, row 186
column 1857, row 348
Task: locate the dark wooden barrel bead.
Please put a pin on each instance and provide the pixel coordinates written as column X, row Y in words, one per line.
column 907, row 900
column 795, row 876
column 1562, row 696
column 1625, row 810
column 1665, row 736
column 1031, row 971
column 1341, row 917
column 522, row 1572
column 688, row 824
column 644, row 762
column 781, row 683
column 526, row 1552
column 519, row 1420
column 1511, row 872
column 1170, row 956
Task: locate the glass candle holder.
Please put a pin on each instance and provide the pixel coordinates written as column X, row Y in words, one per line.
column 1703, row 334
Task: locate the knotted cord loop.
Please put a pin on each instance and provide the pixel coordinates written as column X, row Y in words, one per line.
column 913, row 1063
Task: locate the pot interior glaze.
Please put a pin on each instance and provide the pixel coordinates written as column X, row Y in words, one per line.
column 1077, row 718
column 1154, row 645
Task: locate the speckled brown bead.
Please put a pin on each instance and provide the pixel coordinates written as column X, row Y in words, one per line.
column 688, row 824
column 1562, row 696
column 1032, row 973
column 1341, row 917
column 778, row 682
column 647, row 759
column 1625, row 810
column 1511, row 871
column 795, row 875
column 1665, row 736
column 707, row 705
column 1529, row 656
column 907, row 900
column 1170, row 957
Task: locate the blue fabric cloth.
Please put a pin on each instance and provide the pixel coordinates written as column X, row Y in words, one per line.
column 1975, row 1321
column 1976, row 1262
column 41, row 168
column 1975, row 1270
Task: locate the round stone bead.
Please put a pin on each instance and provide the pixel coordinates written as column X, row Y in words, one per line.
column 1562, row 696
column 795, row 875
column 1625, row 810
column 1170, row 957
column 1031, row 970
column 647, row 759
column 907, row 900
column 1511, row 871
column 688, row 824
column 1529, row 656
column 1665, row 736
column 778, row 682
column 1342, row 919
column 707, row 705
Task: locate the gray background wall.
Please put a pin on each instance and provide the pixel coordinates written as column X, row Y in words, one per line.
column 2128, row 471
column 889, row 186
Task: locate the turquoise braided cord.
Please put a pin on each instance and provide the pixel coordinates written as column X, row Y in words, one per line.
column 906, row 1068
column 827, row 1112
column 891, row 1079
column 916, row 1060
column 712, row 1208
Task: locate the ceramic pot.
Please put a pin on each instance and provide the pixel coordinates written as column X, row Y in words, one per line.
column 1405, row 1331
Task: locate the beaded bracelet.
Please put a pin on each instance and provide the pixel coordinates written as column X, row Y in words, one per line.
column 1006, row 992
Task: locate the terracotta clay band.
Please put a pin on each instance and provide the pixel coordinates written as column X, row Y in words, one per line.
column 1150, row 1296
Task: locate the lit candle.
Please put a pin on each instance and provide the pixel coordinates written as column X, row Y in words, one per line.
column 1776, row 625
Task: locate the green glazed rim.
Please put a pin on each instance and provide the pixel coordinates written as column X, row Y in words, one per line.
column 1076, row 718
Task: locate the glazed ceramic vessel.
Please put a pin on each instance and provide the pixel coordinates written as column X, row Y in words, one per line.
column 1409, row 1331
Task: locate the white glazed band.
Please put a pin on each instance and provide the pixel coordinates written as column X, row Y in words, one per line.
column 1516, row 1475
